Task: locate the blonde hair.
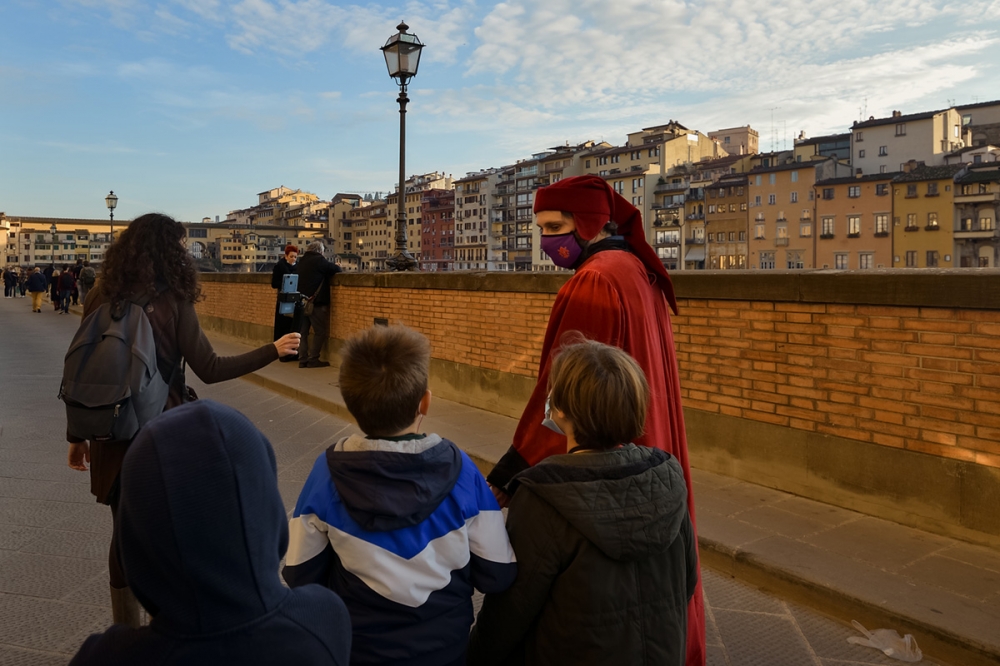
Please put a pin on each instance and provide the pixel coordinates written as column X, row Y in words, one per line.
column 383, row 377
column 603, row 393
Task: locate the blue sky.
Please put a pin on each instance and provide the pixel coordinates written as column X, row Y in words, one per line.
column 191, row 107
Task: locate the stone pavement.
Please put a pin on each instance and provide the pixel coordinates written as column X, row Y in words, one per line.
column 53, row 537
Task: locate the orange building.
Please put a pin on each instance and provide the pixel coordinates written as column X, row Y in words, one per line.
column 782, row 212
column 726, row 222
column 923, row 208
column 854, row 219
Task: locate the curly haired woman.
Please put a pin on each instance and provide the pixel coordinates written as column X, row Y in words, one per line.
column 150, row 261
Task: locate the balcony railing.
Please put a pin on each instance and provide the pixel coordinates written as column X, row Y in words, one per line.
column 781, row 241
column 694, row 241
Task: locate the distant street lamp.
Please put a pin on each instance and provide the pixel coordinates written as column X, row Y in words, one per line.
column 402, row 57
column 111, row 200
column 53, row 229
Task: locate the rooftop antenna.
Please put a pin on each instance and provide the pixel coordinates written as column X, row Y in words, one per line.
column 774, row 129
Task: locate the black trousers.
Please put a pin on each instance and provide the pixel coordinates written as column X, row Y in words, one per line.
column 283, row 324
column 319, row 320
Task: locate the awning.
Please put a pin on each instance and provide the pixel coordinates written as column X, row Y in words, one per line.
column 695, row 253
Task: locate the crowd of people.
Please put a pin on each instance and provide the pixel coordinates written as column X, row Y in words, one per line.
column 65, row 286
column 395, row 528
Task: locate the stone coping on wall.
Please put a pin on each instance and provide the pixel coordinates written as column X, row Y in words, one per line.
column 946, row 288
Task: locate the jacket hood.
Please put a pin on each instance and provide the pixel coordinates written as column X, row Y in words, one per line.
column 201, row 525
column 629, row 502
column 386, row 485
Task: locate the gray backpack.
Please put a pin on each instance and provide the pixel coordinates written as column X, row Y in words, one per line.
column 111, row 384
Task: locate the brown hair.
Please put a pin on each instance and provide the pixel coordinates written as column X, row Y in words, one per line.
column 383, row 377
column 602, row 391
column 148, row 252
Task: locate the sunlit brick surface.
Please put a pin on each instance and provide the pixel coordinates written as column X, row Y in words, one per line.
column 925, row 379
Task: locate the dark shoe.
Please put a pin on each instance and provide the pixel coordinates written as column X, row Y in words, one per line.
column 303, row 364
column 318, row 364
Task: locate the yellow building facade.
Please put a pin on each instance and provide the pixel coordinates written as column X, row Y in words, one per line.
column 854, row 222
column 922, row 217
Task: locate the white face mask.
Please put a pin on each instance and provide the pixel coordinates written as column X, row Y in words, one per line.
column 547, row 421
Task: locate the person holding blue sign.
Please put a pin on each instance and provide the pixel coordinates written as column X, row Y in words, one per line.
column 285, row 323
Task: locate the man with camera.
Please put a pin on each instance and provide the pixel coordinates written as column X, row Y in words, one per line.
column 315, row 272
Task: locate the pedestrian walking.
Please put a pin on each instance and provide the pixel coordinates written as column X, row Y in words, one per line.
column 54, row 289
column 36, row 286
column 166, row 281
column 22, row 281
column 284, row 324
column 620, row 295
column 76, row 284
column 9, row 281
column 67, row 283
column 88, row 276
column 315, row 272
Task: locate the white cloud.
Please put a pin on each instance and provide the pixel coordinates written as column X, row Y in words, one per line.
column 210, row 10
column 305, row 26
column 595, row 62
column 123, row 13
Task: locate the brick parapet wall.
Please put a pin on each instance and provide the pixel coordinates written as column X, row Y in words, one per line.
column 913, row 362
column 924, row 379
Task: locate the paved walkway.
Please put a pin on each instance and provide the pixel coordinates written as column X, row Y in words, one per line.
column 53, row 537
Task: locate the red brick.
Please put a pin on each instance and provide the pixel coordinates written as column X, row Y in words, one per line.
column 940, row 450
column 888, row 428
column 939, row 326
column 890, row 359
column 765, row 417
column 987, row 459
column 888, row 440
column 800, row 424
column 936, row 425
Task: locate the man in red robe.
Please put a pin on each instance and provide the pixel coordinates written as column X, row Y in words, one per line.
column 620, row 295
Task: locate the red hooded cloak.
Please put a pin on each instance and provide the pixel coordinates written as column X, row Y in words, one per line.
column 620, row 298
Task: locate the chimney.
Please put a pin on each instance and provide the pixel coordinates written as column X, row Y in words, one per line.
column 897, row 114
column 857, row 173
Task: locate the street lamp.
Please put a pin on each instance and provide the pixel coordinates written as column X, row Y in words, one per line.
column 55, row 238
column 111, row 200
column 402, row 57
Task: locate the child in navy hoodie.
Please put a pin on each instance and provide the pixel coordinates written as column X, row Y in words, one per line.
column 400, row 524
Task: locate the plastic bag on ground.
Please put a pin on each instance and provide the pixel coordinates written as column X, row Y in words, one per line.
column 888, row 641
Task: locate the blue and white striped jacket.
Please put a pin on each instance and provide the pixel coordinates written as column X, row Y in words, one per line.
column 402, row 531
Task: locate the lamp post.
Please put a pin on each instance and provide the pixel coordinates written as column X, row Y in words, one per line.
column 55, row 238
column 112, row 201
column 402, row 57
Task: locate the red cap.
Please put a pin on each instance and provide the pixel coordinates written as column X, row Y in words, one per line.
column 593, row 204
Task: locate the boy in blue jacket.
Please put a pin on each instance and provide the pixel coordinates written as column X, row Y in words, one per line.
column 400, row 524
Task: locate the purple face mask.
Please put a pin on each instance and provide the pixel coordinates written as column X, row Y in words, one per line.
column 563, row 249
